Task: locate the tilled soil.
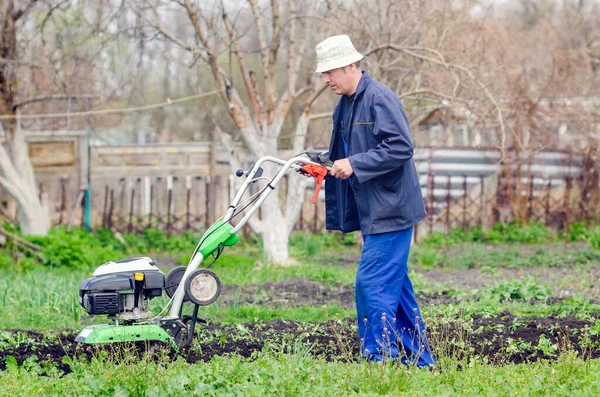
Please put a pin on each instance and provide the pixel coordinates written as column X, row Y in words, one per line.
column 501, row 339
column 289, row 293
column 304, row 292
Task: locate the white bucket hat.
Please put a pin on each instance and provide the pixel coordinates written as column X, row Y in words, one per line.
column 336, row 52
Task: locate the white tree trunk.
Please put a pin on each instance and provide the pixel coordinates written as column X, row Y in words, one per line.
column 33, row 218
column 274, row 231
column 18, row 179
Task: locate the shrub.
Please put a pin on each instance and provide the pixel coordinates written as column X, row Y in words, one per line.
column 77, row 248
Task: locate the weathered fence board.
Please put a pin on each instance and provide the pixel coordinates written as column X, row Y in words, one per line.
column 180, row 187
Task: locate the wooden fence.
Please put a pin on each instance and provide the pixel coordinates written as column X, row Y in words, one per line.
column 181, row 187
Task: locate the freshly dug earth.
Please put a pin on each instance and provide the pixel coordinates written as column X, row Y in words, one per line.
column 304, row 292
column 501, row 339
column 288, row 293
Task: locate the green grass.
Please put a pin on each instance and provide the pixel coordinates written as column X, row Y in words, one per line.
column 45, row 298
column 513, row 256
column 238, row 269
column 42, row 298
column 300, row 375
column 488, row 308
column 254, row 313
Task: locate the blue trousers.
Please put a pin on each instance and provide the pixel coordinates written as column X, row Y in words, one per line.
column 390, row 325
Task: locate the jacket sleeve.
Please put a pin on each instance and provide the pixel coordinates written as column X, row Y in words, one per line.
column 395, row 146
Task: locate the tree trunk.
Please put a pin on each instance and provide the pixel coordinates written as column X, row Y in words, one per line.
column 274, row 231
column 19, row 180
column 16, row 172
column 33, row 218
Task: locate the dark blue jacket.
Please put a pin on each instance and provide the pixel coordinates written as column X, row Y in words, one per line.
column 385, row 185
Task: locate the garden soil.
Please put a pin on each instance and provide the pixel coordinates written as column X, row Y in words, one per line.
column 499, row 340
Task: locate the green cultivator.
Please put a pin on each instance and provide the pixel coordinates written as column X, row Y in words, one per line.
column 123, row 289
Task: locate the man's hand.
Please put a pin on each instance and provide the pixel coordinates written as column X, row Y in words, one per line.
column 341, row 169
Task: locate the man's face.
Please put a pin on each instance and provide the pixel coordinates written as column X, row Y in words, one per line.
column 339, row 80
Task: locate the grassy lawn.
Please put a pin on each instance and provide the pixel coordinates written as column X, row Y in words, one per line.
column 504, row 319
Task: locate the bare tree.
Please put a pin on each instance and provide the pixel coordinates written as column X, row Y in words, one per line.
column 45, row 62
column 282, row 36
column 17, row 173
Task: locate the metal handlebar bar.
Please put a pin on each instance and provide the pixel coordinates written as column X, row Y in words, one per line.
column 296, row 163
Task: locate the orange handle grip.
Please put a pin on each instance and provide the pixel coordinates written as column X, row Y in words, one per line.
column 319, row 172
column 318, row 187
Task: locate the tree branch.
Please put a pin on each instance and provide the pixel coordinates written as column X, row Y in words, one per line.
column 160, row 27
column 250, row 85
column 54, row 98
column 276, row 40
column 320, row 116
column 410, row 50
column 270, row 94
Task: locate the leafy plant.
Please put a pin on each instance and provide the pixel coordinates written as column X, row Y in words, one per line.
column 525, row 290
column 75, row 249
column 593, row 237
column 530, row 233
column 577, row 231
column 426, row 257
column 546, row 346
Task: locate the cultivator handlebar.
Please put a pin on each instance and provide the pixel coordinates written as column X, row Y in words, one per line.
column 199, row 286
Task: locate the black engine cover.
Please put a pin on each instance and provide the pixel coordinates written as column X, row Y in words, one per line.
column 103, row 303
column 100, row 294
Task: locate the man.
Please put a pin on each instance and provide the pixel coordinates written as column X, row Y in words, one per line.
column 375, row 189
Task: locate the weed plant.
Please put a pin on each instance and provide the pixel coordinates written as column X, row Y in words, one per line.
column 527, row 289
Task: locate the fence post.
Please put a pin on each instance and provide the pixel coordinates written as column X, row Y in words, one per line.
column 464, row 217
column 207, row 202
column 123, row 198
column 188, row 192
column 111, row 208
column 548, row 194
column 83, row 204
column 584, row 197
column 530, row 199
column 158, row 200
column 129, row 224
column 104, row 207
column 150, row 209
column 197, row 206
column 483, row 218
column 567, row 204
column 169, row 199
column 431, row 198
column 448, row 199
column 499, row 201
column 63, row 203
column 140, row 188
